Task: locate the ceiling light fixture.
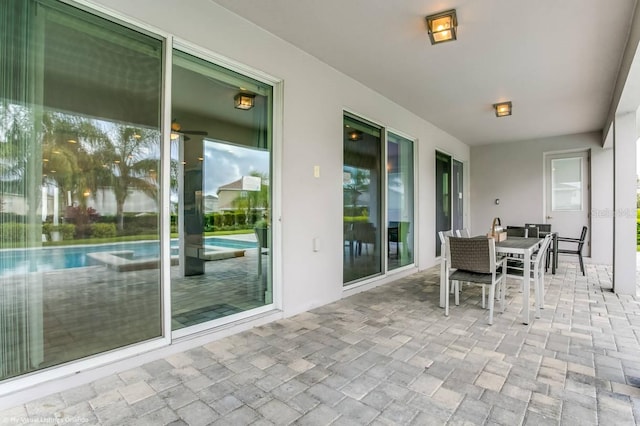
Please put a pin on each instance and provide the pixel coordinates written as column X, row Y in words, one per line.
column 442, row 26
column 355, row 135
column 244, row 100
column 503, row 109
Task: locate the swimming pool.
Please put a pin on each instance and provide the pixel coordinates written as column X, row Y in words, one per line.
column 54, row 258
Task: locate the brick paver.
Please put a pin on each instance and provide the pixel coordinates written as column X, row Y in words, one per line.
column 390, row 356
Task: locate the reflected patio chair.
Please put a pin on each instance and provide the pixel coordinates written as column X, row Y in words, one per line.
column 397, row 233
column 262, row 237
column 474, row 261
column 364, row 234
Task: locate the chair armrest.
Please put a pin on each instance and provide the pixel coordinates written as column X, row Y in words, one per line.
column 568, row 240
column 501, row 262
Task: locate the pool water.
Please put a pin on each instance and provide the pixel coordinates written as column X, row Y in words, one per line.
column 54, row 258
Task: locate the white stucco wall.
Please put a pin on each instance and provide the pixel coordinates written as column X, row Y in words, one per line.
column 513, row 172
column 315, row 96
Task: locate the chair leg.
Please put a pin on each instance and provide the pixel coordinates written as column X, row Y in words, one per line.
column 483, row 297
column 446, row 299
column 492, row 293
column 541, row 291
column 536, row 287
column 503, row 282
column 456, row 288
column 581, row 263
column 546, row 261
column 443, row 277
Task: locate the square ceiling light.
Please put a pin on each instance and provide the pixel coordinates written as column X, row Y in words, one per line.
column 244, row 101
column 442, row 26
column 503, row 109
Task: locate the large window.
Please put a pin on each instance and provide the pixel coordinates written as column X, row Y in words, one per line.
column 221, row 197
column 79, row 172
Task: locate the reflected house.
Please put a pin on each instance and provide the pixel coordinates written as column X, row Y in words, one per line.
column 210, row 203
column 229, row 195
column 137, row 202
column 104, row 203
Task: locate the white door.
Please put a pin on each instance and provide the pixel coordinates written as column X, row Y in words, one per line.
column 567, row 190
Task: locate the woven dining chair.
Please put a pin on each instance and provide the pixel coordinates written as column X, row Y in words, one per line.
column 474, row 261
column 533, row 231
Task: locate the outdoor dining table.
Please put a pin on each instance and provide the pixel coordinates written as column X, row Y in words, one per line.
column 525, row 247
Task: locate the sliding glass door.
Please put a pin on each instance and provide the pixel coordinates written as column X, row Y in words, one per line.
column 80, row 107
column 81, row 194
column 221, row 197
column 362, row 195
column 378, row 222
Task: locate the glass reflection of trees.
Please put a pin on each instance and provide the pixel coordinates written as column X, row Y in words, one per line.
column 80, row 156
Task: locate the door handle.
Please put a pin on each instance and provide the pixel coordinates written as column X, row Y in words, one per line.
column 549, row 217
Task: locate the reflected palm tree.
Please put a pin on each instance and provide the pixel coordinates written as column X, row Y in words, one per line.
column 129, row 159
column 78, row 155
column 15, row 132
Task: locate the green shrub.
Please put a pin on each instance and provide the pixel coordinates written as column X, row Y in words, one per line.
column 218, row 220
column 241, row 218
column 67, row 230
column 363, row 219
column 103, row 230
column 229, row 218
column 46, row 229
column 13, row 232
column 638, row 227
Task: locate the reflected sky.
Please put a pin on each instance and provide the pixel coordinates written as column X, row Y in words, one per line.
column 224, row 163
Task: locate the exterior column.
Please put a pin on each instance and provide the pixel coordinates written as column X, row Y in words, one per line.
column 624, row 204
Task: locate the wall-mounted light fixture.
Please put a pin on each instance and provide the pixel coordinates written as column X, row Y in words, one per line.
column 244, row 100
column 442, row 26
column 503, row 109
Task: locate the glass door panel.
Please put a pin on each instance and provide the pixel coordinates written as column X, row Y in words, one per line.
column 443, row 196
column 80, row 106
column 220, row 197
column 400, row 207
column 362, row 195
column 566, row 184
column 457, row 205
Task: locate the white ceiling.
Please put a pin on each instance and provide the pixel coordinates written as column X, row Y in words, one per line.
column 556, row 60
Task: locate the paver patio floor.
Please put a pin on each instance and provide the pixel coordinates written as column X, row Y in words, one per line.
column 390, row 356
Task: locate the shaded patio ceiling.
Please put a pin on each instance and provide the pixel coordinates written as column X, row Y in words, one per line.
column 557, row 61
